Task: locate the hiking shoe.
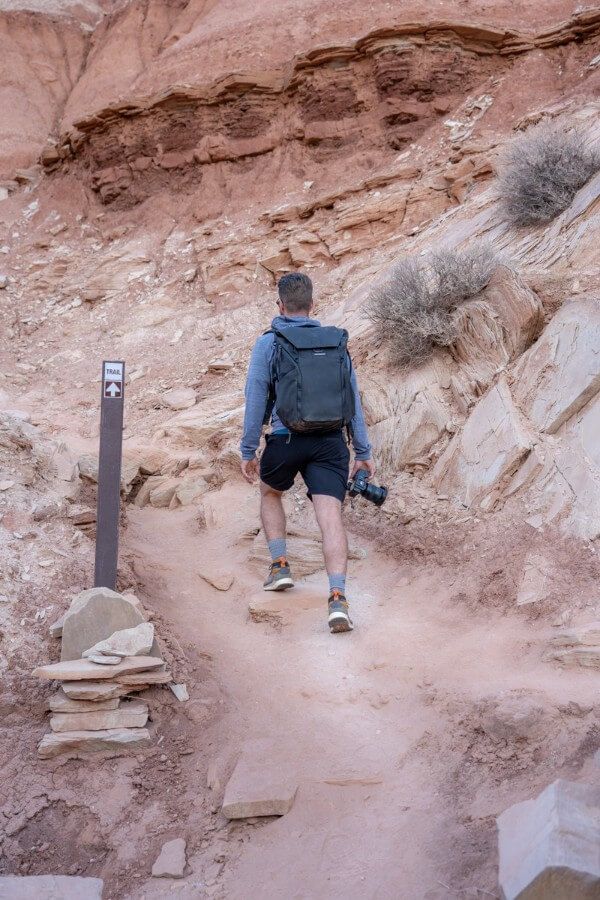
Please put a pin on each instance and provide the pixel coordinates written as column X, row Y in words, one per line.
column 280, row 577
column 339, row 620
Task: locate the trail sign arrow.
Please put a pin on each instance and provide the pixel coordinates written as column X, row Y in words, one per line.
column 113, row 389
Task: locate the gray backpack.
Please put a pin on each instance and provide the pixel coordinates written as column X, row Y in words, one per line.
column 311, row 379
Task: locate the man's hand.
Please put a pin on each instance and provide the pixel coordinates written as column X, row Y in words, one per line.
column 367, row 464
column 250, row 469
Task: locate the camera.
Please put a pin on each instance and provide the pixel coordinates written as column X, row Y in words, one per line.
column 360, row 485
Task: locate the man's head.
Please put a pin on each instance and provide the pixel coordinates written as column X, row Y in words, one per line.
column 295, row 294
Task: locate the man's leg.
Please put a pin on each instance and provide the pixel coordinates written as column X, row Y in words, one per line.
column 272, row 517
column 328, row 511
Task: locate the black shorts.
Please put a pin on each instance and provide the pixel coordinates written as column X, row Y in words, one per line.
column 321, row 459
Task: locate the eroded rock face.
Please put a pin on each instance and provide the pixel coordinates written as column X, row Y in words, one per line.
column 493, row 442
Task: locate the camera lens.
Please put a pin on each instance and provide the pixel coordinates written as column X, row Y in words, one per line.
column 375, row 494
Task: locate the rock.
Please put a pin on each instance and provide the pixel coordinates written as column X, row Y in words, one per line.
column 162, row 495
column 561, row 372
column 84, row 670
column 130, row 714
column 548, row 847
column 82, row 742
column 283, row 606
column 259, row 785
column 56, row 628
column 304, row 547
column 3, row 282
column 93, row 690
column 190, row 275
column 217, row 578
column 93, row 616
column 513, row 717
column 135, row 641
column 157, row 676
column 221, row 414
column 50, row 887
column 577, row 646
column 190, row 489
column 6, row 485
column 102, row 660
column 171, row 861
column 537, row 579
column 180, row 691
column 220, row 365
column 180, row 398
column 60, row 703
column 489, row 448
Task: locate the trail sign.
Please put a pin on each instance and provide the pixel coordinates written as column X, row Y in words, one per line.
column 109, row 474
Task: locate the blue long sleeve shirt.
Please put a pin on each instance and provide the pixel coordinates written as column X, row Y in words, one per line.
column 257, row 395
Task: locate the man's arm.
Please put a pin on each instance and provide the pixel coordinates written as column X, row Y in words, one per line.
column 257, row 395
column 360, row 438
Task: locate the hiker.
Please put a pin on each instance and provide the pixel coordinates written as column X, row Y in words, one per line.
column 308, row 430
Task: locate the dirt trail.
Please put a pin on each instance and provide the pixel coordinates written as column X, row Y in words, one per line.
column 378, row 725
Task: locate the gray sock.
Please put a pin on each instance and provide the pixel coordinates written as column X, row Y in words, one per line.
column 337, row 583
column 277, row 548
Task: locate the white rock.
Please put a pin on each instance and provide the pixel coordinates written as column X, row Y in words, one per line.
column 171, row 861
column 548, row 847
column 180, row 398
column 135, row 641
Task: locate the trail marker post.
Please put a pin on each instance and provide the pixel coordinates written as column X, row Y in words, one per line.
column 109, row 474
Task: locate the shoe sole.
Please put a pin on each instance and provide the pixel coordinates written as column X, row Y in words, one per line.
column 281, row 585
column 339, row 623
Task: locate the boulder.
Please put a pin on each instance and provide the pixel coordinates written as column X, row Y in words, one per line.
column 84, row 670
column 537, row 579
column 548, row 847
column 83, row 742
column 171, row 861
column 561, row 372
column 93, row 616
column 190, row 489
column 162, row 494
column 50, row 887
column 136, row 641
column 130, row 714
column 219, row 415
column 260, row 785
column 488, row 450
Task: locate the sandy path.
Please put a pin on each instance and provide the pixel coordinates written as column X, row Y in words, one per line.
column 369, row 709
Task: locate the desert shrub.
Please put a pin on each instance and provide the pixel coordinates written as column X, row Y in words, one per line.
column 415, row 307
column 543, row 170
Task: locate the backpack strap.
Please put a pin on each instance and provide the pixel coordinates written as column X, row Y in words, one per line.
column 271, row 396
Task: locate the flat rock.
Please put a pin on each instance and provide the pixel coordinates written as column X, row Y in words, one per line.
column 305, row 550
column 135, row 641
column 548, row 847
column 217, row 578
column 282, row 606
column 50, row 887
column 259, row 785
column 60, row 703
column 144, row 679
column 490, row 446
column 102, row 660
column 93, row 690
column 179, row 398
column 56, row 628
column 93, row 616
column 84, row 670
column 171, row 860
column 75, row 742
column 577, row 646
column 130, row 714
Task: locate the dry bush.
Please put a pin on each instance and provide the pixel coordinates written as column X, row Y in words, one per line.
column 415, row 308
column 543, row 170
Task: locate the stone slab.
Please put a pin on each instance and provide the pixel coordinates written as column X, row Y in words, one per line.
column 157, row 676
column 548, row 846
column 50, row 887
column 136, row 641
column 93, row 616
column 537, row 579
column 260, row 785
column 84, row 670
column 130, row 714
column 84, row 742
column 283, row 606
column 60, row 703
column 171, row 861
column 93, row 690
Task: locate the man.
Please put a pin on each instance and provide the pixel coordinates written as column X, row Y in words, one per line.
column 322, row 458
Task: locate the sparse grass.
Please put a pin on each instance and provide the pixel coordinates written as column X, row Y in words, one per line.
column 543, row 170
column 415, row 308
